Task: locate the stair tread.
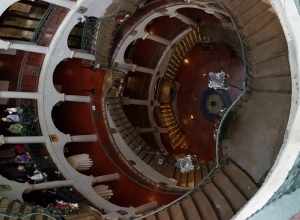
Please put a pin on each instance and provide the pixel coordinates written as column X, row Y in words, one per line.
column 204, row 206
column 176, row 212
column 163, row 215
column 233, row 194
column 190, row 210
column 240, row 179
column 151, row 217
column 219, row 201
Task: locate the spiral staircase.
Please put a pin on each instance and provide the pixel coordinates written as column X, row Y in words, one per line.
column 253, row 138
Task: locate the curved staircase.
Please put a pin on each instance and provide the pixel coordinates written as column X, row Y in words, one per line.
column 219, row 198
column 260, row 119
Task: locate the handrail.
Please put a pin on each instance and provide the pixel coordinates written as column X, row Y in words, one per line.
column 244, row 62
column 219, row 130
column 202, row 182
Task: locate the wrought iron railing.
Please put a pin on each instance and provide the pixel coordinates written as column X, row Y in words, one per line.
column 41, row 24
column 88, row 35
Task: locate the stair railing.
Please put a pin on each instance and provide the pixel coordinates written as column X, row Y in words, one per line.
column 202, row 183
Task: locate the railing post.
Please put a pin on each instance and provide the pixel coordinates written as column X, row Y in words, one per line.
column 77, row 98
column 106, row 178
column 18, row 95
column 21, row 140
column 49, row 185
column 24, row 46
column 84, row 138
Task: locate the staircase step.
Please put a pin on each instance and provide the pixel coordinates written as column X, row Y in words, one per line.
column 272, row 48
column 220, row 203
column 190, row 210
column 272, row 67
column 176, row 212
column 280, row 85
column 151, row 217
column 243, row 6
column 163, row 215
column 259, row 8
column 269, row 31
column 240, row 179
column 204, row 206
column 258, row 23
column 230, row 191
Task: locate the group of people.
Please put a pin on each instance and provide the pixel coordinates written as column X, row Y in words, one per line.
column 15, row 160
column 19, row 121
column 17, row 164
column 30, row 162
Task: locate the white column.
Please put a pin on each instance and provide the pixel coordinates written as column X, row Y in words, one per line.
column 24, row 46
column 49, row 185
column 22, row 140
column 185, row 19
column 143, row 69
column 84, row 138
column 84, row 56
column 77, row 98
column 106, row 178
column 29, row 47
column 132, row 67
column 63, row 3
column 129, row 101
column 18, row 95
column 158, row 39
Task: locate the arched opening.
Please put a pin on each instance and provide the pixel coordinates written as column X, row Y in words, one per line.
column 19, row 118
column 137, row 85
column 28, row 163
column 65, row 116
column 24, row 20
column 166, row 27
column 144, row 53
column 83, row 35
column 85, row 79
column 198, row 16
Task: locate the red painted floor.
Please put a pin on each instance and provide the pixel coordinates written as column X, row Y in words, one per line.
column 193, row 82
